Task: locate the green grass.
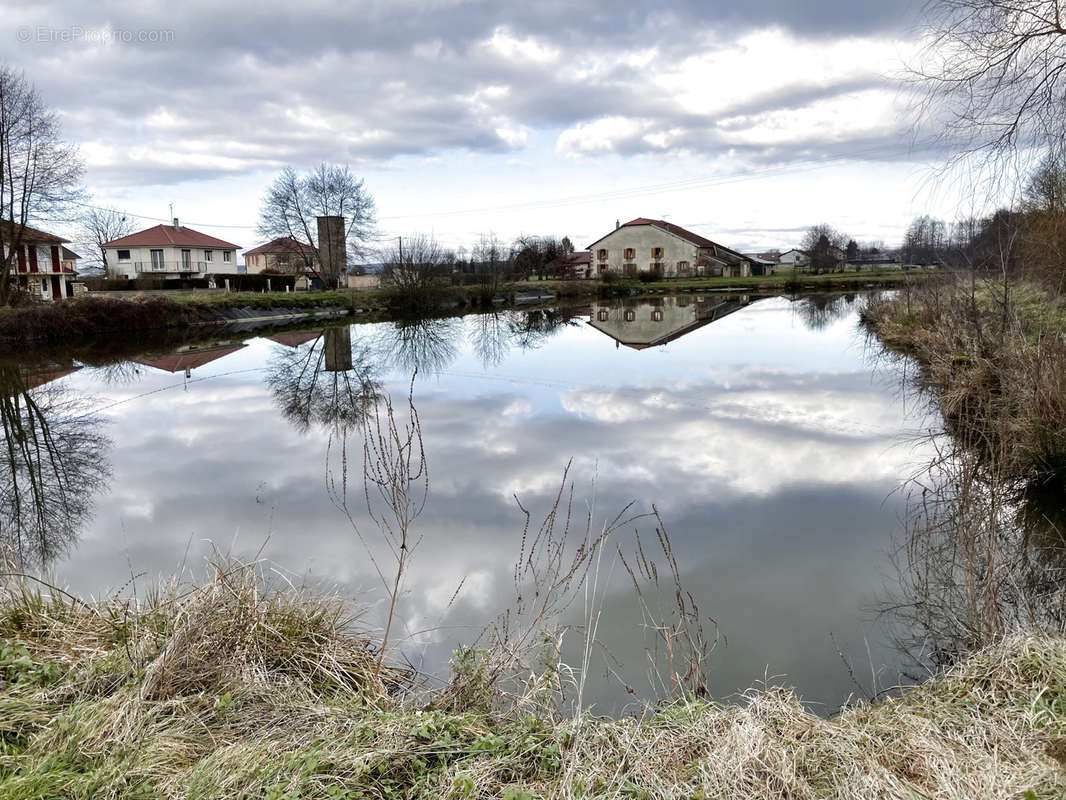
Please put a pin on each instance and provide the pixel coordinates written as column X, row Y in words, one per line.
column 277, row 299
column 229, row 689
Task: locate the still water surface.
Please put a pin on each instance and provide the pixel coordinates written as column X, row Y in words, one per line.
column 766, row 431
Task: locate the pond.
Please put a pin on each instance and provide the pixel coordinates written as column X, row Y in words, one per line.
column 765, row 431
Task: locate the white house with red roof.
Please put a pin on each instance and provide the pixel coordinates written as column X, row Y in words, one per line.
column 40, row 266
column 660, row 246
column 169, row 251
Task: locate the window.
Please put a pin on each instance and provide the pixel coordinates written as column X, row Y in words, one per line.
column 630, row 315
column 630, row 254
column 656, row 253
column 629, row 269
column 603, row 268
column 657, row 266
column 207, row 255
column 601, row 255
column 123, row 255
column 656, row 316
column 682, row 266
column 601, row 315
column 227, row 255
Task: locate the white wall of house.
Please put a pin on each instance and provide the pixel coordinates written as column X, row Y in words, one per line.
column 46, row 281
column 135, row 262
column 793, row 258
column 642, row 240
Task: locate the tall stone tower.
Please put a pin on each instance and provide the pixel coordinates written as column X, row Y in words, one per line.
column 332, row 254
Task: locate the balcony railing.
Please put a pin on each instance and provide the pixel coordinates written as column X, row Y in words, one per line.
column 163, row 267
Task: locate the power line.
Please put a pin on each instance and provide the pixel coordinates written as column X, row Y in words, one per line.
column 618, row 194
column 690, row 183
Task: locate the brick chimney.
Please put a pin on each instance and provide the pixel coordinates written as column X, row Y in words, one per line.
column 176, row 225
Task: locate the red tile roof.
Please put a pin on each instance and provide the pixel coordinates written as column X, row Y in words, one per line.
column 676, row 230
column 580, row 257
column 281, row 246
column 28, row 234
column 295, row 338
column 669, row 227
column 189, row 359
column 164, row 235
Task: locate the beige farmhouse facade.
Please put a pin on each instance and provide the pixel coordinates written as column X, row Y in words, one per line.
column 670, row 250
column 640, row 325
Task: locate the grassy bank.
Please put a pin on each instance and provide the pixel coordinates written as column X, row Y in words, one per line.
column 995, row 358
column 72, row 323
column 229, row 689
column 101, row 315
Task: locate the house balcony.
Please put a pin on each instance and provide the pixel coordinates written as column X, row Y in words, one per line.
column 169, row 267
column 42, row 269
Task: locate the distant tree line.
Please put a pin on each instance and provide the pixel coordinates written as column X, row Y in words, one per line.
column 417, row 263
column 1028, row 241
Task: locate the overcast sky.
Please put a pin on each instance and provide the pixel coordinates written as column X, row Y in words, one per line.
column 745, row 121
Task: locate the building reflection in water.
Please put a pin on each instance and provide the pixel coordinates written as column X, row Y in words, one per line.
column 653, row 323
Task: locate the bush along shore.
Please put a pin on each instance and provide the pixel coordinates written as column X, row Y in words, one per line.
column 994, row 355
column 230, row 689
column 100, row 314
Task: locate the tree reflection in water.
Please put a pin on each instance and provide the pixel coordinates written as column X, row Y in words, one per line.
column 54, row 462
column 428, row 345
column 819, row 311
column 325, row 381
column 494, row 334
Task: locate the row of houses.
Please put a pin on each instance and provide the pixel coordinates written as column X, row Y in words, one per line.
column 45, row 268
column 177, row 251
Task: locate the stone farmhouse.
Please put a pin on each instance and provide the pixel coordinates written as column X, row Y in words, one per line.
column 664, row 248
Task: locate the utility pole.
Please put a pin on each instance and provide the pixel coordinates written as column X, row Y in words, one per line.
column 401, row 248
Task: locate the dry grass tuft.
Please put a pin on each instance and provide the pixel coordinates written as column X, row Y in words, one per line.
column 231, row 689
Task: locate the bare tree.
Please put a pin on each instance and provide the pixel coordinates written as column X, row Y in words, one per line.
column 924, row 242
column 415, row 264
column 294, row 201
column 39, row 173
column 99, row 226
column 1045, row 191
column 825, row 247
column 491, row 260
column 990, row 77
column 1043, row 242
column 535, row 255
